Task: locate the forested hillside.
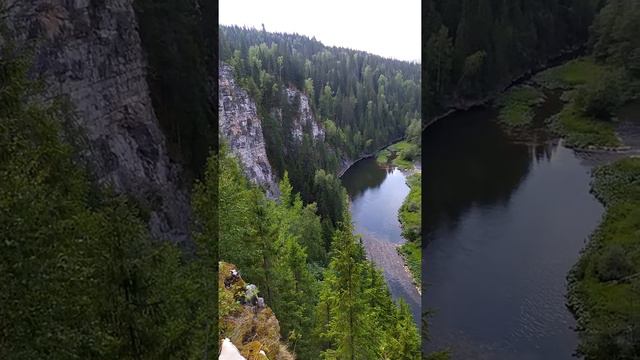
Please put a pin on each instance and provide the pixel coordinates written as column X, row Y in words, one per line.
column 363, row 101
column 81, row 275
column 300, row 249
column 474, row 48
column 330, row 301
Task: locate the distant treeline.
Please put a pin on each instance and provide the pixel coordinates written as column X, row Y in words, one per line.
column 475, row 47
column 362, row 100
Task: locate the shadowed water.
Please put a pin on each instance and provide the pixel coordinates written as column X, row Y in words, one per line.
column 504, row 223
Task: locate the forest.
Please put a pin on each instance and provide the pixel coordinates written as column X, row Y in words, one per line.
column 475, row 48
column 331, row 302
column 300, row 250
column 363, row 101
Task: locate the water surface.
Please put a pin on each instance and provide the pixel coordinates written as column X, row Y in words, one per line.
column 376, row 194
column 504, row 222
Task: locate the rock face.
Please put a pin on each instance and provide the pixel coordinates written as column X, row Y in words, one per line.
column 90, row 53
column 304, row 117
column 241, row 127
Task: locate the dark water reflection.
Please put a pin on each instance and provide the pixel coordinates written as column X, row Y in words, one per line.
column 504, row 222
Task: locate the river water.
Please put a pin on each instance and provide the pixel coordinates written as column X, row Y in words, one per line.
column 376, row 194
column 505, row 221
column 505, row 218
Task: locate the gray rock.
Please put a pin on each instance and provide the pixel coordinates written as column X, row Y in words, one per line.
column 241, row 127
column 90, row 53
column 304, row 117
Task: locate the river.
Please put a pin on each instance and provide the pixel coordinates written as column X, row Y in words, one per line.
column 505, row 221
column 505, row 218
column 376, row 194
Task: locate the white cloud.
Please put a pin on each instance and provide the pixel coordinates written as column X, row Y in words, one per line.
column 387, row 28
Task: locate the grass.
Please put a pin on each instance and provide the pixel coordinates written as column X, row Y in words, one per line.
column 410, row 216
column 516, row 105
column 578, row 130
column 582, row 71
column 604, row 286
column 400, row 154
column 402, row 163
column 581, row 131
column 383, row 157
column 412, row 254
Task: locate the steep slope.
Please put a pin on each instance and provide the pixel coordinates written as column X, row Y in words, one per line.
column 89, row 53
column 304, row 116
column 240, row 125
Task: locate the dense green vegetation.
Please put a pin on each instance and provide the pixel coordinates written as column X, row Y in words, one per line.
column 596, row 86
column 578, row 123
column 330, row 302
column 516, row 105
column 604, row 290
column 178, row 38
column 80, row 275
column 401, row 154
column 410, row 215
column 362, row 100
column 474, row 48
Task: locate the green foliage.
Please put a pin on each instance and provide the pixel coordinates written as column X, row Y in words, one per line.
column 80, row 276
column 582, row 131
column 382, row 158
column 268, row 241
column 364, row 101
column 516, row 105
column 331, row 199
column 411, row 251
column 178, row 42
column 599, row 101
column 410, row 216
column 616, row 35
column 581, row 71
column 604, row 286
column 619, row 182
column 473, row 48
column 356, row 317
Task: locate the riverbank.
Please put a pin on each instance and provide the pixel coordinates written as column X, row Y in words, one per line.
column 376, row 195
column 347, row 164
column 466, row 104
column 590, row 93
column 604, row 285
column 405, row 156
column 410, row 217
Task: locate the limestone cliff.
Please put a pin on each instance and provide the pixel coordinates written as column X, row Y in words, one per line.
column 304, row 117
column 241, row 127
column 89, row 52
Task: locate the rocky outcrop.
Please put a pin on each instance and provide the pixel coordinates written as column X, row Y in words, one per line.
column 241, row 127
column 245, row 321
column 304, row 116
column 89, row 52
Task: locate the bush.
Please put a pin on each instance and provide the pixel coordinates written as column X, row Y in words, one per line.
column 613, row 264
column 602, row 99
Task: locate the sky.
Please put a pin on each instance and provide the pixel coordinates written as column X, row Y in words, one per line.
column 382, row 27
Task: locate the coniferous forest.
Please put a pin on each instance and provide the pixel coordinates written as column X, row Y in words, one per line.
column 301, row 251
column 363, row 101
column 474, row 48
column 130, row 229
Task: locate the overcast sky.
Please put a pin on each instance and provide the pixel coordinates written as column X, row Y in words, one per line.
column 387, row 28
